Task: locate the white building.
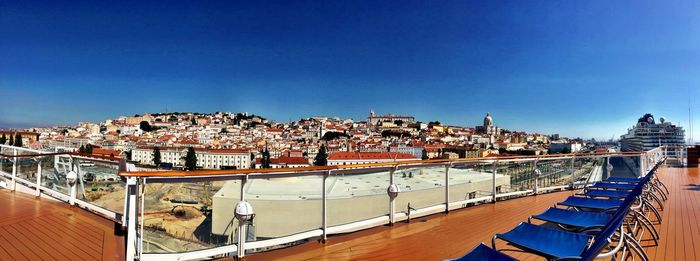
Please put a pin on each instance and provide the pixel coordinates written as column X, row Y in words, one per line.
column 564, row 147
column 375, row 119
column 206, row 158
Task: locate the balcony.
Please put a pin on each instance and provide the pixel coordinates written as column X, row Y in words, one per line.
column 442, row 209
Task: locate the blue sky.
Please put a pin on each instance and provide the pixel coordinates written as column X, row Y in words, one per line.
column 578, row 68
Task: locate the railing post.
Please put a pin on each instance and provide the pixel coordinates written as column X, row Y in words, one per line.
column 665, row 155
column 79, row 171
column 535, row 174
column 392, row 200
column 73, row 187
column 324, row 207
column 14, row 170
column 38, row 179
column 242, row 226
column 573, row 171
column 608, row 169
column 493, row 181
column 143, row 219
column 131, row 216
column 447, row 187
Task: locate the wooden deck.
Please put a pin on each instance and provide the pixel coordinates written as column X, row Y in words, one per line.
column 450, row 235
column 43, row 229
column 680, row 229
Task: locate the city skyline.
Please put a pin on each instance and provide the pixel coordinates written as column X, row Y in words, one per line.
column 582, row 70
column 371, row 113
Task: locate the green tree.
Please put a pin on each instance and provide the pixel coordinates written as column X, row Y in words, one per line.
column 321, row 158
column 252, row 160
column 81, row 149
column 18, row 140
column 3, row 139
column 331, row 135
column 145, row 126
column 127, row 154
column 191, row 159
column 194, row 121
column 265, row 162
column 12, row 140
column 156, row 156
column 88, row 149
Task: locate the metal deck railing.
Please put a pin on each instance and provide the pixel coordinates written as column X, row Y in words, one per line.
column 181, row 215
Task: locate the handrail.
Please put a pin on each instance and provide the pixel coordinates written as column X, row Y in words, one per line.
column 196, row 173
column 34, row 155
column 115, row 159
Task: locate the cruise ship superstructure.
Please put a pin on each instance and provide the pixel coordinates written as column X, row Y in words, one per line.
column 648, row 134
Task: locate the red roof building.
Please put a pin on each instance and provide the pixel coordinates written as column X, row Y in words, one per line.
column 350, row 157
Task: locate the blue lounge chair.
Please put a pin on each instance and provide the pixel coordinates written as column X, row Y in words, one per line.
column 610, row 185
column 602, row 205
column 602, row 193
column 578, row 221
column 482, row 252
column 557, row 244
column 622, row 180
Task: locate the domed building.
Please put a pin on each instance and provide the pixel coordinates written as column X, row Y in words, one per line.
column 488, row 121
column 488, row 128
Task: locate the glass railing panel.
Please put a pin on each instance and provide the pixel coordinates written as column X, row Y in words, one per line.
column 624, row 166
column 189, row 216
column 6, row 164
column 421, row 186
column 100, row 184
column 470, row 180
column 587, row 170
column 53, row 173
column 554, row 172
column 26, row 166
column 356, row 195
column 5, row 176
column 520, row 174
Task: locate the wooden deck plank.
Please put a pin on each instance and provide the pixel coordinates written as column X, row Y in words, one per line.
column 31, row 243
column 52, row 246
column 13, row 252
column 450, row 235
column 20, row 247
column 55, row 231
column 81, row 230
column 44, row 229
column 69, row 249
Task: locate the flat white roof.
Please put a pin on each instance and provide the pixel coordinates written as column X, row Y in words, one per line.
column 350, row 185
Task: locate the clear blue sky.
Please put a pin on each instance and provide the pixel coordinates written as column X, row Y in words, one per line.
column 579, row 68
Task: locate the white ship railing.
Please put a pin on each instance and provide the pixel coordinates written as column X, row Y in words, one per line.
column 44, row 174
column 456, row 183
